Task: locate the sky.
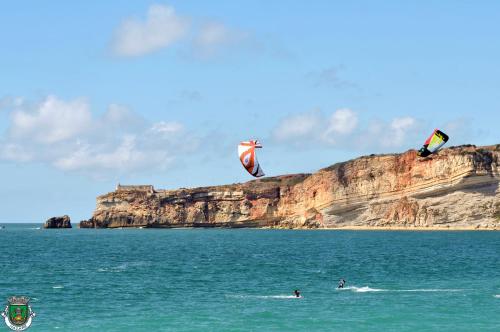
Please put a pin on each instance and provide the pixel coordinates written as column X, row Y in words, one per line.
column 98, row 93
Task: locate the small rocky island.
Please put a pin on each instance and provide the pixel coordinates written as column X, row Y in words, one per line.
column 58, row 222
column 457, row 188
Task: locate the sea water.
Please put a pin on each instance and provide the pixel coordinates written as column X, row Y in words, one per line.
column 243, row 279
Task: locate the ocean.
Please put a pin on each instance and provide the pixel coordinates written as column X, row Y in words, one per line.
column 243, row 279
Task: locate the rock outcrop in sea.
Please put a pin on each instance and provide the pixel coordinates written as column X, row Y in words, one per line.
column 456, row 188
column 58, row 222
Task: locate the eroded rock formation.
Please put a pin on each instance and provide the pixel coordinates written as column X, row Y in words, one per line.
column 458, row 187
column 58, row 222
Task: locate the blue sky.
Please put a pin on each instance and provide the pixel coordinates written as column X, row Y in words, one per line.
column 92, row 94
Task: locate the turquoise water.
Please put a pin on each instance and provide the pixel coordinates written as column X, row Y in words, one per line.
column 242, row 279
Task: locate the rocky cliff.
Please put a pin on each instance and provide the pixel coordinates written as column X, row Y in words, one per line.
column 456, row 188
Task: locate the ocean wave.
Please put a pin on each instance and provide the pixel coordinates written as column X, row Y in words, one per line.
column 365, row 289
column 116, row 269
column 123, row 267
column 430, row 290
column 57, row 287
column 282, row 296
column 361, row 289
column 497, row 296
column 279, row 297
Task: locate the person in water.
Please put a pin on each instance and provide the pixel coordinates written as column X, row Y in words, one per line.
column 341, row 283
column 297, row 293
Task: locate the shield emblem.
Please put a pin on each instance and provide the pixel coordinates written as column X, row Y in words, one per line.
column 18, row 313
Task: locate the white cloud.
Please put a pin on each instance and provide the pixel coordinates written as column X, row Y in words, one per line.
column 118, row 114
column 212, row 33
column 463, row 130
column 341, row 129
column 343, row 121
column 167, row 128
column 215, row 36
column 316, row 127
column 329, row 77
column 14, row 152
column 9, row 102
column 299, row 126
column 65, row 135
column 51, row 121
column 126, row 157
column 161, row 28
column 399, row 130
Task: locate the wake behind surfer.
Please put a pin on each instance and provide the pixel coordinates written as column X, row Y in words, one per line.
column 341, row 283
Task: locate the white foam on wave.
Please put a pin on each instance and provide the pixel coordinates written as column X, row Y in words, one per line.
column 430, row 290
column 361, row 289
column 240, row 296
column 497, row 296
column 366, row 289
column 35, row 228
column 57, row 287
column 124, row 266
column 116, row 269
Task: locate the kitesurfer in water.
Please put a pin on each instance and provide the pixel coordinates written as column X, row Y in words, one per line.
column 296, row 293
column 341, row 283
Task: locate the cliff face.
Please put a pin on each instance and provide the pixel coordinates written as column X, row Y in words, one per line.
column 458, row 187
